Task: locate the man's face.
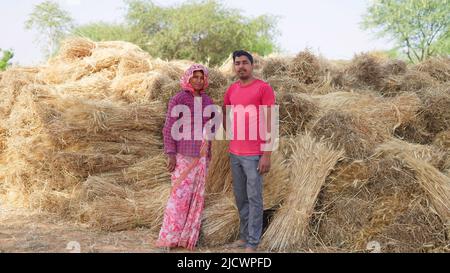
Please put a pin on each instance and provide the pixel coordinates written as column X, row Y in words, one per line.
column 243, row 67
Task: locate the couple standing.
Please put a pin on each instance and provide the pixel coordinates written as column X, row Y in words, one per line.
column 188, row 159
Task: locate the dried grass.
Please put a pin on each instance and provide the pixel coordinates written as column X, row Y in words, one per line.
column 311, row 163
column 305, row 67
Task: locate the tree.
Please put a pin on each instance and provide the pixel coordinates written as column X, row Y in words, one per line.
column 102, row 31
column 4, row 61
column 204, row 31
column 420, row 27
column 52, row 24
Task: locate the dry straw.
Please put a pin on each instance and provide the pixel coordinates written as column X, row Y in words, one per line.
column 311, row 163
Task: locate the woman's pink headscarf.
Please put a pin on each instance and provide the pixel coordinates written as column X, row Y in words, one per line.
column 188, row 75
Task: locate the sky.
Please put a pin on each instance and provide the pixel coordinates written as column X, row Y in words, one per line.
column 327, row 27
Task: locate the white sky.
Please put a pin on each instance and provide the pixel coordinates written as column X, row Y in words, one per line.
column 328, row 27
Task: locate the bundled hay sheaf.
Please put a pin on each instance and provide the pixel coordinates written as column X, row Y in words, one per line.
column 436, row 67
column 275, row 67
column 380, row 200
column 76, row 48
column 295, row 111
column 305, row 67
column 289, row 227
column 365, row 69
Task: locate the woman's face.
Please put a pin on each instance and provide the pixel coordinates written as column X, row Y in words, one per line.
column 197, row 80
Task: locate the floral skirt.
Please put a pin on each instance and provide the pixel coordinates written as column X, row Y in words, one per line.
column 183, row 214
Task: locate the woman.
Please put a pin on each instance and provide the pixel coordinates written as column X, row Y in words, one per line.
column 187, row 161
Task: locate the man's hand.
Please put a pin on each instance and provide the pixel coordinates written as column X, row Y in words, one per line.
column 171, row 163
column 264, row 164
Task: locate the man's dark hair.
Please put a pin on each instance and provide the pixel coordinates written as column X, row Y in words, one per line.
column 239, row 53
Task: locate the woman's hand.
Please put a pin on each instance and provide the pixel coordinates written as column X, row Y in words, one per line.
column 171, row 163
column 204, row 149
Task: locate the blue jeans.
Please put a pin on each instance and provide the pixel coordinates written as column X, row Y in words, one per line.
column 248, row 192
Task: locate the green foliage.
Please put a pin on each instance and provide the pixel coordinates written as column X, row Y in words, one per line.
column 203, row 31
column 51, row 22
column 102, row 31
column 420, row 27
column 4, row 61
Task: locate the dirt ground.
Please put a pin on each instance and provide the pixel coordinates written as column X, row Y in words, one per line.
column 22, row 231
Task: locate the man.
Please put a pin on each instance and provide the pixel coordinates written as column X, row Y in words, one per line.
column 249, row 160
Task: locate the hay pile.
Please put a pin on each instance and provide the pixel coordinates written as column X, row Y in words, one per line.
column 86, row 114
column 81, row 136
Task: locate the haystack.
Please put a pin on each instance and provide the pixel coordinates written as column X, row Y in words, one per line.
column 61, row 132
column 311, row 163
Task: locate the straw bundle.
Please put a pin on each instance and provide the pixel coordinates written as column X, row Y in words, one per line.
column 436, row 67
column 93, row 87
column 220, row 223
column 365, row 69
column 305, row 67
column 134, row 62
column 434, row 183
column 275, row 67
column 139, row 209
column 141, row 87
column 143, row 175
column 276, row 183
column 436, row 109
column 416, row 80
column 376, row 199
column 295, row 111
column 76, row 48
column 442, row 140
column 219, row 171
column 58, row 71
column 217, row 79
column 286, row 84
column 428, row 153
column 173, row 69
column 394, row 67
column 13, row 81
column 311, row 163
column 346, row 131
column 102, row 121
column 102, row 59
